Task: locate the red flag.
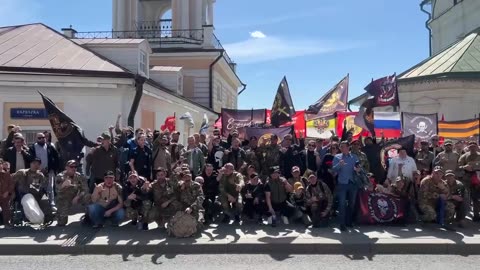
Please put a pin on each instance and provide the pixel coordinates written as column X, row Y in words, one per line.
column 298, row 122
column 350, row 117
column 169, row 124
column 379, row 208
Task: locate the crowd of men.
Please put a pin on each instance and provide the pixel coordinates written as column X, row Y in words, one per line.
column 148, row 176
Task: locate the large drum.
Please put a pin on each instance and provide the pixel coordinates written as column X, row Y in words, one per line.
column 182, row 225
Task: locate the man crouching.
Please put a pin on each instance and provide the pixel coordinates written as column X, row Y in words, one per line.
column 137, row 200
column 71, row 189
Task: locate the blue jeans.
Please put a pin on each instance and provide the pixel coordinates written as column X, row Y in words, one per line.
column 441, row 211
column 346, row 192
column 97, row 212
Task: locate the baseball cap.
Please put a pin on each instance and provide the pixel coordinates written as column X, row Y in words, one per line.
column 438, row 169
column 449, row 172
column 109, row 174
column 448, row 142
column 295, row 169
column 274, row 169
column 105, row 136
column 132, row 173
column 37, row 160
column 297, row 186
column 71, row 163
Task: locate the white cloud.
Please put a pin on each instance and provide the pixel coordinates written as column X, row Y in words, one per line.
column 270, row 48
column 257, row 34
column 13, row 12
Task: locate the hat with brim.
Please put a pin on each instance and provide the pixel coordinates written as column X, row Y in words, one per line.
column 438, row 169
column 448, row 142
column 295, row 169
column 72, row 163
column 133, row 174
column 274, row 169
column 109, row 174
column 449, row 173
column 105, row 136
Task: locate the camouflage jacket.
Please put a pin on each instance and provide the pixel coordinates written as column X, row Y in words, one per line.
column 320, row 191
column 191, row 195
column 27, row 181
column 362, row 157
column 429, row 191
column 269, row 156
column 228, row 184
column 164, row 191
column 78, row 185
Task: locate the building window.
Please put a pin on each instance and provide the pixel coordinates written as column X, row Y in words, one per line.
column 143, row 62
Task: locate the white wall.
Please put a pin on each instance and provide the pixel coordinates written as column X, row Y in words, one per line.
column 456, row 99
column 451, row 23
column 201, row 85
column 93, row 103
column 126, row 57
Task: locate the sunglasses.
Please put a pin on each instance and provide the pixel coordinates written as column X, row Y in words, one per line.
column 72, row 166
column 40, row 138
column 311, row 145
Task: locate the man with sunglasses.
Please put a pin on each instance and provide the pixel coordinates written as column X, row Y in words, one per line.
column 71, row 189
column 50, row 163
column 435, row 147
column 291, row 155
column 312, row 157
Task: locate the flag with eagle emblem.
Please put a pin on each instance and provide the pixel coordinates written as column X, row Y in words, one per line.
column 282, row 109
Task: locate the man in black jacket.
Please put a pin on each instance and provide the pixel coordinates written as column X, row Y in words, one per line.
column 50, row 163
column 291, row 155
column 18, row 155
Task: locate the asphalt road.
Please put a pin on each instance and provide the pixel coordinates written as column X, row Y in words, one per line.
column 237, row 262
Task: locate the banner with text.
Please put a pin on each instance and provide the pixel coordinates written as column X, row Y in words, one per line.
column 240, row 119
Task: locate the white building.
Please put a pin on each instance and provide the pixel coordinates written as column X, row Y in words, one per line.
column 450, row 21
column 448, row 82
column 147, row 75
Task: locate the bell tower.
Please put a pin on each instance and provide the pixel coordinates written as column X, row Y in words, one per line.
column 138, row 15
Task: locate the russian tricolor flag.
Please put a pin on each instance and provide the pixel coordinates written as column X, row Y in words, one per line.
column 388, row 122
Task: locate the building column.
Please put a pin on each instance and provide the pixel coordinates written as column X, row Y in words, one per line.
column 196, row 14
column 132, row 15
column 185, row 15
column 204, row 12
column 176, row 14
column 210, row 12
column 114, row 15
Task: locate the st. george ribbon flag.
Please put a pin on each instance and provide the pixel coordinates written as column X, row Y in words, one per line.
column 282, row 108
column 70, row 136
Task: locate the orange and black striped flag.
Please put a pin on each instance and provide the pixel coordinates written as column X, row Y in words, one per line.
column 459, row 129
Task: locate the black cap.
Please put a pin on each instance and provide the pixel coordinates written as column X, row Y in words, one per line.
column 37, row 160
column 109, row 174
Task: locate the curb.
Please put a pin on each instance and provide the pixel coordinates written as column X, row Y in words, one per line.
column 246, row 248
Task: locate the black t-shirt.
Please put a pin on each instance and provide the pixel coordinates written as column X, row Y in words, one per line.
column 210, row 185
column 257, row 191
column 215, row 157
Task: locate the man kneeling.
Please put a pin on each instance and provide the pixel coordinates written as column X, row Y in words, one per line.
column 319, row 200
column 137, row 200
column 107, row 202
column 71, row 189
column 433, row 199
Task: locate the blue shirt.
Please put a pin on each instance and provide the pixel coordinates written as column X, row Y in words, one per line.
column 346, row 173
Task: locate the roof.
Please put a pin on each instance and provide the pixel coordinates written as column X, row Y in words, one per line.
column 36, row 46
column 166, row 69
column 107, row 41
column 460, row 59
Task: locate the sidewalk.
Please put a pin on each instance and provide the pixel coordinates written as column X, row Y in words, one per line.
column 76, row 239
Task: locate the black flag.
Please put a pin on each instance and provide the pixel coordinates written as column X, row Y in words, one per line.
column 70, row 136
column 282, row 109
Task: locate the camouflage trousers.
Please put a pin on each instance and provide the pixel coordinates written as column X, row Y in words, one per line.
column 136, row 212
column 231, row 209
column 430, row 211
column 64, row 203
column 198, row 212
column 163, row 215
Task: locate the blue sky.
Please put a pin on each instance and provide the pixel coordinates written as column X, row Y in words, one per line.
column 315, row 43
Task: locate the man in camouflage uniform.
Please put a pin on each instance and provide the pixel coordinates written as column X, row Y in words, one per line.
column 362, row 157
column 231, row 185
column 424, row 157
column 137, row 200
column 251, row 150
column 165, row 193
column 71, row 189
column 319, row 201
column 32, row 181
column 469, row 163
column 433, row 199
column 191, row 196
column 269, row 156
column 456, row 197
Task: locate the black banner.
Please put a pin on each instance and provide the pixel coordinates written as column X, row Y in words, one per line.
column 240, row 119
